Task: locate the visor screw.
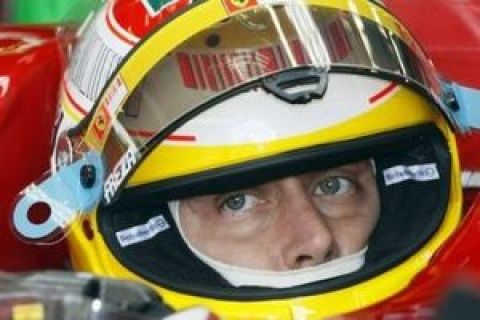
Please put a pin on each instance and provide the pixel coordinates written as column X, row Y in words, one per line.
column 87, row 176
column 453, row 105
column 213, row 40
column 451, row 101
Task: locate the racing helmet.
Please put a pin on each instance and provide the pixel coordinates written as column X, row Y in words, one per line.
column 225, row 95
column 107, row 35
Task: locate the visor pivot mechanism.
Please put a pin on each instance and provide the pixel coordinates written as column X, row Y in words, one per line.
column 297, row 86
column 87, row 176
column 462, row 105
column 451, row 101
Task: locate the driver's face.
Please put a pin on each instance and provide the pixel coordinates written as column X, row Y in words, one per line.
column 289, row 223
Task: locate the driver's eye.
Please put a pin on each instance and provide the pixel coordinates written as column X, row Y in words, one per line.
column 238, row 203
column 333, row 186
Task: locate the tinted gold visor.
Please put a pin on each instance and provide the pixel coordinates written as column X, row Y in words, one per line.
column 243, row 50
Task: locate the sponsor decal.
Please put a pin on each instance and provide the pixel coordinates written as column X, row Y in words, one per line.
column 119, row 173
column 419, row 172
column 142, row 232
column 470, row 179
column 102, row 120
column 115, row 95
column 233, row 6
column 82, row 72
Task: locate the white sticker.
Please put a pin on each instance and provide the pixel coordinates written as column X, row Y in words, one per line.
column 470, row 179
column 118, row 174
column 115, row 95
column 420, row 172
column 142, row 232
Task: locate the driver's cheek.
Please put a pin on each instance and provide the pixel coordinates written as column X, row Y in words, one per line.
column 351, row 234
column 352, row 221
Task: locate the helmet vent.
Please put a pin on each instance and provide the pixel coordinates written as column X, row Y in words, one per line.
column 297, row 86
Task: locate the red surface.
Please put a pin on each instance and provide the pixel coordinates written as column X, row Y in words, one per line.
column 133, row 16
column 469, row 147
column 449, row 31
column 29, row 84
column 456, row 265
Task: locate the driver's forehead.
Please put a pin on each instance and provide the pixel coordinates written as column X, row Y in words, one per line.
column 355, row 171
column 360, row 167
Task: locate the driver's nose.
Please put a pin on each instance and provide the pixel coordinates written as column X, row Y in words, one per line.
column 307, row 241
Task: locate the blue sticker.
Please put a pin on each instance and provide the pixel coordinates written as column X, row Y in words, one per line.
column 469, row 101
column 64, row 193
column 467, row 117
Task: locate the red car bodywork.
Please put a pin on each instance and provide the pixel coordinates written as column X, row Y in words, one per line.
column 449, row 32
column 32, row 60
column 29, row 80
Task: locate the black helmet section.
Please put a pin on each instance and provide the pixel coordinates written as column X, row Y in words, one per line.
column 413, row 175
